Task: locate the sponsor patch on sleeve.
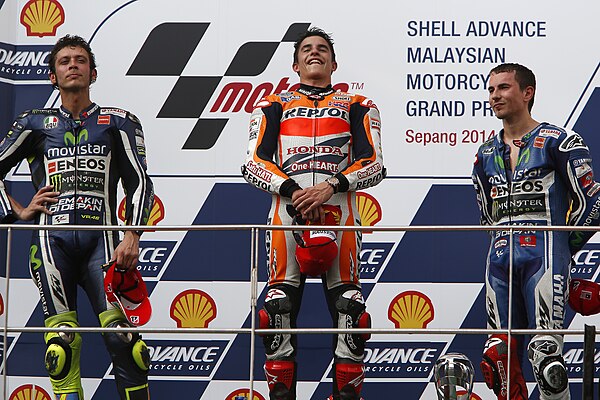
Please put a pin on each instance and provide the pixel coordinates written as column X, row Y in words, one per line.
column 593, row 190
column 550, row 133
column 368, row 103
column 114, row 111
column 582, row 169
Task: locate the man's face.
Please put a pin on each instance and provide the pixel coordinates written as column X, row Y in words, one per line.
column 315, row 62
column 72, row 69
column 506, row 97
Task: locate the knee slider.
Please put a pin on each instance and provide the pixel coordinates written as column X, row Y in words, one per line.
column 545, row 354
column 59, row 354
column 275, row 314
column 62, row 348
column 352, row 313
column 129, row 344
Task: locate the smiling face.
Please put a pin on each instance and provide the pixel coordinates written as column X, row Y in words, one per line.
column 506, row 97
column 314, row 63
column 72, row 69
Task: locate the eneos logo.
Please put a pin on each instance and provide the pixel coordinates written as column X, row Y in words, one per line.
column 368, row 208
column 29, row 392
column 193, row 308
column 42, row 17
column 157, row 213
column 1, row 304
column 244, row 394
column 411, row 309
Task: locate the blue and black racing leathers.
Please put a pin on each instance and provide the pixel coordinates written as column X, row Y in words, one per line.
column 552, row 184
column 83, row 157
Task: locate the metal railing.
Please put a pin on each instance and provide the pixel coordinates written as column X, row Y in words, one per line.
column 253, row 331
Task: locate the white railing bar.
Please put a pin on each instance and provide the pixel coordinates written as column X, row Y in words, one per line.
column 379, row 331
column 412, row 228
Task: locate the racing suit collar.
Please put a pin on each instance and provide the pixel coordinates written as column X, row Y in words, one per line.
column 313, row 91
column 84, row 114
column 524, row 140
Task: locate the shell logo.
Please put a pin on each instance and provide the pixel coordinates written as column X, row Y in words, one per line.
column 42, row 17
column 244, row 394
column 157, row 213
column 193, row 308
column 411, row 309
column 369, row 209
column 29, row 392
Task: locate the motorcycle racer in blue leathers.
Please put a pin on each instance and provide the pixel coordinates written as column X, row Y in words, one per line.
column 77, row 155
column 530, row 174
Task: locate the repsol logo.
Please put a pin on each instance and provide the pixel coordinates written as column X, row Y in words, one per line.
column 177, row 42
column 309, row 112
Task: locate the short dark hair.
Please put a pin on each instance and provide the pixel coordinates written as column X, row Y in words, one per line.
column 70, row 41
column 313, row 32
column 523, row 75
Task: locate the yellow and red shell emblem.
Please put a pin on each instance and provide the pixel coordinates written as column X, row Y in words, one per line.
column 157, row 213
column 42, row 17
column 369, row 209
column 193, row 308
column 411, row 309
column 244, row 394
column 29, row 392
column 463, row 393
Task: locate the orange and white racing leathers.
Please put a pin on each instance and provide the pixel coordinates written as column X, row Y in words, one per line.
column 299, row 139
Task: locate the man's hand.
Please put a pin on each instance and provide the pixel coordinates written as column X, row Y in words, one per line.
column 127, row 252
column 38, row 203
column 309, row 201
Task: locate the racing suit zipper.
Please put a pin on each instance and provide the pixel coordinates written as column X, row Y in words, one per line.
column 314, row 155
column 508, row 172
column 77, row 129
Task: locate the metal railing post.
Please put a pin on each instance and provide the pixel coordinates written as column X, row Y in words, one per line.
column 511, row 254
column 253, row 302
column 6, row 308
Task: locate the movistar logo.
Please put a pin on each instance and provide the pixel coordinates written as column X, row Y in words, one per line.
column 523, row 157
column 71, row 140
column 33, row 260
column 499, row 161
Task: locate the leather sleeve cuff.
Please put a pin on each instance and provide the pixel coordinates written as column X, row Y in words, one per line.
column 9, row 219
column 288, row 188
column 344, row 184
